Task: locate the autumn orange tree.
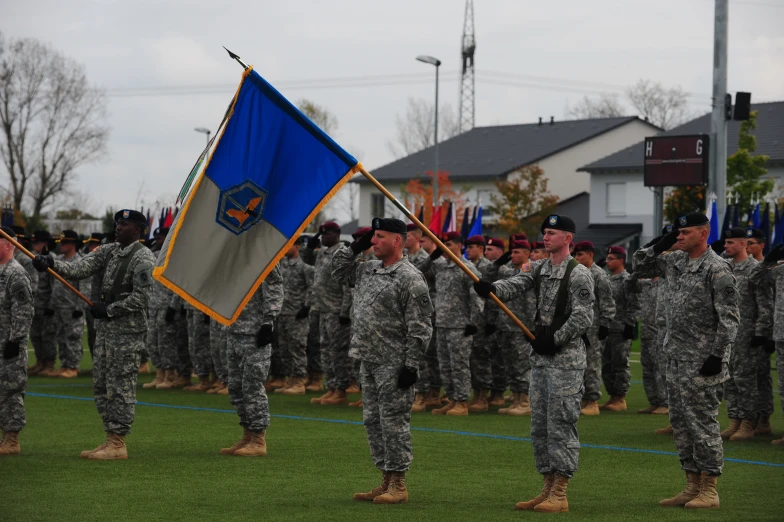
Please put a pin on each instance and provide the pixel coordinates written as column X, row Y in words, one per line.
column 523, row 201
column 417, row 193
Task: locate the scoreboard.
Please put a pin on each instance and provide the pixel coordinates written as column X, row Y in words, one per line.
column 672, row 161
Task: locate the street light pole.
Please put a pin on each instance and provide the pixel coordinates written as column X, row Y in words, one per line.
column 204, row 131
column 435, row 62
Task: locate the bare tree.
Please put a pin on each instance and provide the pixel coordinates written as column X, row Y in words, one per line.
column 325, row 120
column 607, row 105
column 665, row 108
column 52, row 121
column 416, row 130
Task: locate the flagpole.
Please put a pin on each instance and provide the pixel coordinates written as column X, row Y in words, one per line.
column 443, row 247
column 55, row 274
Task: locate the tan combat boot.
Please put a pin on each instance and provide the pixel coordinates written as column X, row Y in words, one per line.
column 34, row 369
column 516, row 398
column 521, row 407
column 168, row 380
column 396, row 492
column 223, row 390
column 432, row 400
column 763, row 426
column 182, row 381
column 202, row 386
column 618, row 405
column 648, row 410
column 480, row 401
column 217, row 385
column 68, row 373
column 317, row 383
column 338, row 397
column 531, row 504
column 239, row 444
column 356, row 404
column 778, row 442
column 459, row 409
column 113, row 450
column 731, row 429
column 353, row 387
column 496, row 399
column 317, row 400
column 419, row 403
column 745, row 432
column 47, row 369
column 664, row 431
column 10, row 444
column 86, row 453
column 160, row 375
column 297, row 386
column 256, row 446
column 556, row 501
column 275, row 383
column 443, row 409
column 590, row 408
column 144, row 367
column 708, row 497
column 285, row 386
column 375, row 492
column 606, row 404
column 661, row 410
column 688, row 494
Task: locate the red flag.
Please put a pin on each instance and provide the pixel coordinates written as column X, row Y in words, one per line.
column 435, row 222
column 167, row 223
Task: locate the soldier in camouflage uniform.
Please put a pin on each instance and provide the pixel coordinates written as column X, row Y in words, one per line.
column 220, row 358
column 182, row 356
column 391, row 331
column 564, row 315
column 458, row 317
column 481, row 365
column 756, row 323
column 68, row 311
column 332, row 302
column 16, row 317
column 122, row 325
column 494, row 249
column 23, row 259
column 94, row 284
column 702, row 320
column 650, row 356
column 292, row 323
column 160, row 334
column 199, row 348
column 42, row 330
column 616, row 371
column 603, row 315
column 250, row 349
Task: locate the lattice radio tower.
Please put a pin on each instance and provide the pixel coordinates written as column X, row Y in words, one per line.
column 467, row 79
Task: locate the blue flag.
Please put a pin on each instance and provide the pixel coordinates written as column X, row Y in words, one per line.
column 270, row 173
column 465, row 227
column 779, row 239
column 765, row 227
column 448, row 225
column 735, row 218
column 715, row 234
column 476, row 228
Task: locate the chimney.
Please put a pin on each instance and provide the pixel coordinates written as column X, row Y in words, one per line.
column 540, row 121
column 552, row 120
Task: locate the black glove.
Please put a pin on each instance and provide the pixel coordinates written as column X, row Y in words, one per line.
column 504, row 259
column 666, row 242
column 170, row 313
column 314, row 242
column 363, row 243
column 206, row 319
column 651, row 243
column 603, row 333
column 99, row 311
column 11, row 349
column 183, row 312
column 777, row 254
column 470, row 330
column 770, row 346
column 42, row 263
column 264, row 337
column 757, row 341
column 490, row 329
column 628, row 332
column 711, row 366
column 407, row 377
column 483, row 288
column 544, row 344
column 76, row 314
column 303, row 313
column 344, row 321
column 48, row 312
column 436, row 254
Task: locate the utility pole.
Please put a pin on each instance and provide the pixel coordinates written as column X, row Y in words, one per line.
column 658, row 210
column 717, row 179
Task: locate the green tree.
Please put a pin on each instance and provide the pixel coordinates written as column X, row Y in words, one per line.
column 682, row 200
column 108, row 220
column 744, row 170
column 523, row 201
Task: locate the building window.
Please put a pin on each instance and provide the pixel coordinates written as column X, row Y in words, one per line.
column 377, row 204
column 616, row 199
column 484, row 195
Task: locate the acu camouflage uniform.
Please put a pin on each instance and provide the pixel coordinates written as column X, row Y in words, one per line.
column 199, row 341
column 180, row 352
column 68, row 318
column 774, row 276
column 616, row 371
column 429, row 371
column 702, row 320
column 160, row 334
column 391, row 332
column 650, row 354
column 293, row 332
column 27, row 264
column 42, row 329
column 249, row 363
column 481, row 351
column 556, row 381
column 16, row 317
column 119, row 338
column 603, row 315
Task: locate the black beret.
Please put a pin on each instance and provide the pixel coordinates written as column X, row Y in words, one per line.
column 692, row 219
column 95, row 237
column 756, row 234
column 20, row 231
column 41, row 236
column 666, row 230
column 9, row 231
column 69, row 236
column 718, row 246
column 134, row 216
column 735, row 233
column 389, row 225
column 557, row 222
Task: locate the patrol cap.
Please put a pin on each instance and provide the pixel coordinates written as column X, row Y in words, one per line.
column 756, row 234
column 583, row 246
column 520, row 244
column 692, row 219
column 452, row 236
column 95, row 237
column 537, row 245
column 19, row 231
column 475, row 240
column 69, row 236
column 361, row 231
column 666, row 230
column 556, row 222
column 735, row 233
column 329, row 225
column 496, row 242
column 134, row 216
column 389, row 225
column 10, row 231
column 41, row 236
column 616, row 250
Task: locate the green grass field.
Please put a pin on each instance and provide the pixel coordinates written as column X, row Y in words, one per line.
column 469, row 468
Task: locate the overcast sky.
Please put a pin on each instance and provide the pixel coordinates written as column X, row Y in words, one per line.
column 130, row 46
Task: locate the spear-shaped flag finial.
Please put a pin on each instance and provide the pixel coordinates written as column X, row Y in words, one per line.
column 235, row 57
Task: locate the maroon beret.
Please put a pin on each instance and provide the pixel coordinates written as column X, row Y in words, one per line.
column 518, row 237
column 496, row 242
column 452, row 236
column 537, row 245
column 329, row 225
column 583, row 246
column 411, row 226
column 521, row 243
column 620, row 251
column 361, row 231
column 475, row 240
